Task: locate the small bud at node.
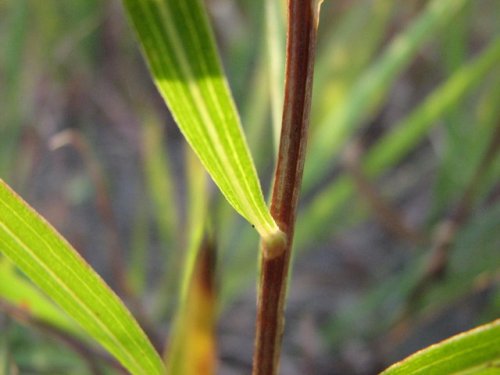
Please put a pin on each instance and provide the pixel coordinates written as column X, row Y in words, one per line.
column 274, row 245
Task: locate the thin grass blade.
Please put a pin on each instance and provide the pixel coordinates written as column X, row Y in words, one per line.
column 161, row 188
column 275, row 37
column 338, row 64
column 405, row 136
column 197, row 216
column 372, row 87
column 192, row 348
column 159, row 182
column 179, row 46
column 473, row 352
column 52, row 264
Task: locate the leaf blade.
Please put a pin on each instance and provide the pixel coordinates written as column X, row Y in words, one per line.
column 471, row 352
column 180, row 49
column 192, row 345
column 40, row 252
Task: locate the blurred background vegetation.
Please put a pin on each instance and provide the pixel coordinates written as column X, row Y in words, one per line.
column 397, row 242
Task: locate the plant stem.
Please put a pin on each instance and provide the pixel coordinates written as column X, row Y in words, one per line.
column 301, row 45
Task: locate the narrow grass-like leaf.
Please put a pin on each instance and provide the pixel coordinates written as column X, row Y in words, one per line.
column 196, row 219
column 372, row 87
column 164, row 204
column 406, row 135
column 473, row 352
column 411, row 129
column 275, row 37
column 338, row 64
column 159, row 181
column 255, row 113
column 192, row 346
column 181, row 52
column 197, row 201
column 51, row 263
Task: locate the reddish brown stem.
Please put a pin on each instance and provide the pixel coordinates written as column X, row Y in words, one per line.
column 301, row 43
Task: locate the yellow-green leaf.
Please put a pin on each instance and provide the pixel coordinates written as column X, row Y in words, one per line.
column 192, row 347
column 473, row 352
column 179, row 46
column 52, row 264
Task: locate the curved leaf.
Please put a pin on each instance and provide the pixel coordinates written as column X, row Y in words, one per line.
column 182, row 56
column 51, row 263
column 472, row 352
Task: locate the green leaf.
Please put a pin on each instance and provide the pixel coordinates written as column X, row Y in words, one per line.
column 194, row 228
column 192, row 344
column 338, row 65
column 408, row 132
column 179, row 46
column 161, row 189
column 51, row 263
column 275, row 37
column 159, row 181
column 196, row 219
column 472, row 352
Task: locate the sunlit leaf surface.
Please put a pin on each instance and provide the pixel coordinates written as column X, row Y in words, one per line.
column 179, row 46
